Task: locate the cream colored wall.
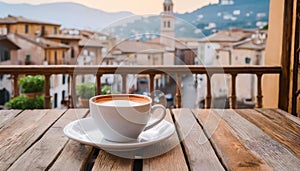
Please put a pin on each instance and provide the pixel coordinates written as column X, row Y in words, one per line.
column 168, row 58
column 273, row 53
column 153, row 59
column 246, row 84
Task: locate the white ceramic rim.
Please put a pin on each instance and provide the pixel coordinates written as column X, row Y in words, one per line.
column 122, row 95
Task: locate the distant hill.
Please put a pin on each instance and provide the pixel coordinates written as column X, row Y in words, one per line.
column 243, row 14
column 67, row 14
column 204, row 21
column 199, row 23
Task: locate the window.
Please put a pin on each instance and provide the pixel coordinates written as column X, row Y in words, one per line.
column 63, row 79
column 247, row 60
column 55, row 30
column 55, row 57
column 165, row 24
column 55, row 100
column 72, row 53
column 148, row 57
column 1, row 77
column 169, row 24
column 26, row 28
column 43, row 31
column 8, row 28
column 236, row 58
column 5, row 56
column 217, row 57
column 63, row 94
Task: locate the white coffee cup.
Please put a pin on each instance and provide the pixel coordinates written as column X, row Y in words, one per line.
column 122, row 117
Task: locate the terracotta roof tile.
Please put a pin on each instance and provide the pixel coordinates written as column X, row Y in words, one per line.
column 19, row 19
column 42, row 42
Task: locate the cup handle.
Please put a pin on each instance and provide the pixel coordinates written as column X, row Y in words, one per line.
column 156, row 121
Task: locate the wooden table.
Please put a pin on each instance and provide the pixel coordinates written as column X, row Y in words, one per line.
column 260, row 139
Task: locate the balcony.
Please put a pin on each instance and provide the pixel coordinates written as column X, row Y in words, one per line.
column 176, row 72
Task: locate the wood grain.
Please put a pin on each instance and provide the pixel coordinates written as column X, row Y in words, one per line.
column 44, row 152
column 22, row 132
column 200, row 153
column 274, row 153
column 109, row 162
column 7, row 115
column 233, row 153
column 73, row 157
column 276, row 126
column 288, row 116
column 172, row 160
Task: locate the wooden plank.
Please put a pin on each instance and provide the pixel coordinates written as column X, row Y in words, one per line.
column 7, row 115
column 260, row 143
column 109, row 162
column 172, row 160
column 233, row 153
column 277, row 127
column 23, row 131
column 288, row 116
column 199, row 152
column 45, row 151
column 73, row 157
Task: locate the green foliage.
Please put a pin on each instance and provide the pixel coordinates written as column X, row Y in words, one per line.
column 23, row 102
column 31, row 84
column 86, row 90
column 266, row 27
column 106, row 90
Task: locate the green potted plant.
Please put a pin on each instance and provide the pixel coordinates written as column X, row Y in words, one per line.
column 88, row 90
column 23, row 102
column 32, row 86
column 85, row 92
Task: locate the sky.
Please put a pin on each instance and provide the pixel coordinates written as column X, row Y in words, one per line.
column 139, row 7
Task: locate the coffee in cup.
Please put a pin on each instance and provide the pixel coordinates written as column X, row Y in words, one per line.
column 122, row 117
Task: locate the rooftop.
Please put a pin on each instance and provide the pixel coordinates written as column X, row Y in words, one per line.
column 19, row 19
column 227, row 36
column 86, row 42
column 42, row 42
column 132, row 46
column 6, row 42
column 63, row 36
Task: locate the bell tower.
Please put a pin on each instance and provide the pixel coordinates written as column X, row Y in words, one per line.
column 167, row 25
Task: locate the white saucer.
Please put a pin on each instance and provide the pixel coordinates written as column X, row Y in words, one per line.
column 86, row 132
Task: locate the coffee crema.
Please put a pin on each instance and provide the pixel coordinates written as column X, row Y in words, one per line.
column 116, row 100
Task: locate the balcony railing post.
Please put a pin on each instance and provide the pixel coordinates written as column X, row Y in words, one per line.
column 151, row 85
column 233, row 91
column 99, row 86
column 47, row 97
column 16, row 88
column 124, row 83
column 178, row 91
column 259, row 90
column 208, row 95
column 73, row 91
